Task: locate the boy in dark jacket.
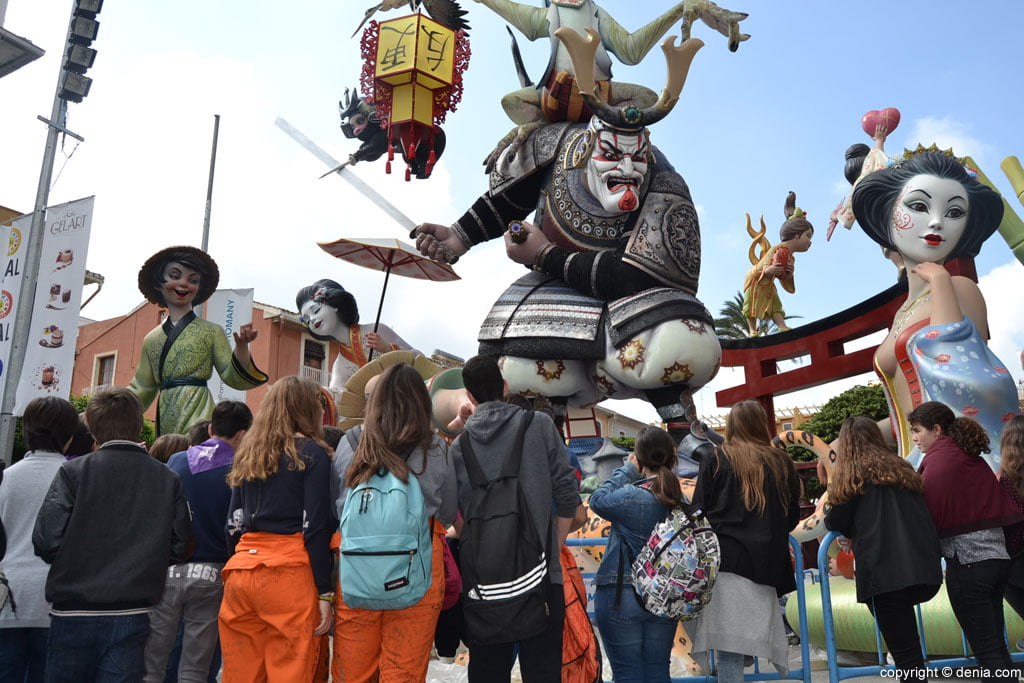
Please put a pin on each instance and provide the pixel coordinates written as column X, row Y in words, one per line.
column 551, row 495
column 110, row 525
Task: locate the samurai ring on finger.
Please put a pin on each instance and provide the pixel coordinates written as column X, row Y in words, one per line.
column 517, row 231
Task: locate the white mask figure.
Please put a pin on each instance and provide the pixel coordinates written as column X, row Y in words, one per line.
column 929, row 218
column 617, row 168
column 323, row 320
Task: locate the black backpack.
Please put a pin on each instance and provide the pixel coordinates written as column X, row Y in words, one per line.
column 504, row 564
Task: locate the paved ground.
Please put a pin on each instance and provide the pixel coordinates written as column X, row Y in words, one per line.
column 440, row 672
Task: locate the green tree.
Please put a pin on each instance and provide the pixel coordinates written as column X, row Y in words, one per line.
column 625, row 442
column 866, row 400
column 731, row 323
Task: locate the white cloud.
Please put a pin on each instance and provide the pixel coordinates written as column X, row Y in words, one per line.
column 946, row 132
column 1001, row 287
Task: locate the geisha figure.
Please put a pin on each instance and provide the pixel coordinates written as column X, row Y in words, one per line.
column 760, row 297
column 930, row 209
column 330, row 313
column 179, row 355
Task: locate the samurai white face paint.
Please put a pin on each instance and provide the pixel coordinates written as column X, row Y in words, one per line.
column 617, row 168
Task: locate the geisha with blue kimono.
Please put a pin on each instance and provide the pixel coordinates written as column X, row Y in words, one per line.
column 930, row 209
column 179, row 355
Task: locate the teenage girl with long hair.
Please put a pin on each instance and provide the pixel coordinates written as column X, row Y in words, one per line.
column 277, row 585
column 635, row 499
column 969, row 509
column 396, row 436
column 877, row 503
column 750, row 493
column 1011, row 476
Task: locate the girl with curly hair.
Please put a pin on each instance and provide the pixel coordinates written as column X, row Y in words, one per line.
column 877, row 504
column 969, row 509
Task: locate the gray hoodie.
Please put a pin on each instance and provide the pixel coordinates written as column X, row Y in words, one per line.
column 546, row 476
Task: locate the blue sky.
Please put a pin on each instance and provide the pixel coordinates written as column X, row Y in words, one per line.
column 750, row 126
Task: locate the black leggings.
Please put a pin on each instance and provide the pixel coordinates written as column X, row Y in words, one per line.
column 897, row 620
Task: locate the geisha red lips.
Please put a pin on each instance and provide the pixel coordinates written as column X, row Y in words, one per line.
column 933, row 240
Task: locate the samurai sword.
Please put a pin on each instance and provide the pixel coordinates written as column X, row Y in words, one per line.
column 354, row 180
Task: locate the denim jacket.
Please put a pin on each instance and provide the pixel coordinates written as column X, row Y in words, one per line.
column 633, row 513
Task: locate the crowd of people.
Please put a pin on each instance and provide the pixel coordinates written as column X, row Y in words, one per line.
column 218, row 554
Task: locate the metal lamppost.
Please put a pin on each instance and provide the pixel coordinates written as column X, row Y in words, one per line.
column 72, row 85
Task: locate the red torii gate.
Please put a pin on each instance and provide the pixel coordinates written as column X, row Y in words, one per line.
column 823, row 340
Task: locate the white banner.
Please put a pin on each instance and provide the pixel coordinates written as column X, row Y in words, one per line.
column 13, row 239
column 229, row 308
column 50, row 349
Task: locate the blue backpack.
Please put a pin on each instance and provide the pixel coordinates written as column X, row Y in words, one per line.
column 386, row 542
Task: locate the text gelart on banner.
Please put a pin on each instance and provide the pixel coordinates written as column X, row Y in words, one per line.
column 229, row 308
column 50, row 350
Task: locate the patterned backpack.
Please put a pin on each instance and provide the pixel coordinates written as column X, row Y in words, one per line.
column 674, row 572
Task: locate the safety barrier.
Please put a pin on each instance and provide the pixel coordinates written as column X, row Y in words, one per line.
column 837, row 673
column 801, row 674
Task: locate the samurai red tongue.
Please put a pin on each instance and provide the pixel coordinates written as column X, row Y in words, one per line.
column 628, row 201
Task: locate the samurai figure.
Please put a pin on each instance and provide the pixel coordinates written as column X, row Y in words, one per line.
column 610, row 309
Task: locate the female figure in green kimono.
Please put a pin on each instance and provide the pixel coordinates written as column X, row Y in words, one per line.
column 179, row 355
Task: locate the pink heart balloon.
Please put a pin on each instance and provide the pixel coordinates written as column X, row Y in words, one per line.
column 889, row 118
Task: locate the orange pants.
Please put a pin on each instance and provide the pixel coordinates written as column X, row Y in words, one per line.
column 389, row 646
column 269, row 611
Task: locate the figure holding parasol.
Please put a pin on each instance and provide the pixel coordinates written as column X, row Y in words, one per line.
column 330, row 312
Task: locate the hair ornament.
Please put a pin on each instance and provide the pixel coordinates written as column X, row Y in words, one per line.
column 931, row 149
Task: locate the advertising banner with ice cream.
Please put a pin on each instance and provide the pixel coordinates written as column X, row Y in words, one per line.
column 50, row 353
column 229, row 308
column 13, row 240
